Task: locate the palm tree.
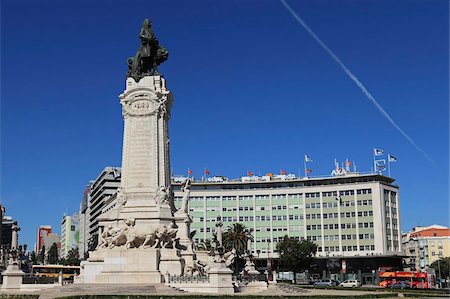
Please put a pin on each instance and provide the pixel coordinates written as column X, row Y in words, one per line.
column 237, row 236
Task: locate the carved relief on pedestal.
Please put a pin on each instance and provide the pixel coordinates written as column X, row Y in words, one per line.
column 126, row 235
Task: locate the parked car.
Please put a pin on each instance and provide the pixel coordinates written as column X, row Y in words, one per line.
column 325, row 283
column 400, row 285
column 350, row 284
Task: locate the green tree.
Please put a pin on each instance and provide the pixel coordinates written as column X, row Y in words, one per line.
column 52, row 255
column 73, row 257
column 296, row 256
column 34, row 258
column 237, row 236
column 442, row 264
column 41, row 257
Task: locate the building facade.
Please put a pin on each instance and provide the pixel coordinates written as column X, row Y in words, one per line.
column 83, row 247
column 355, row 215
column 97, row 195
column 42, row 233
column 69, row 233
column 354, row 219
column 425, row 245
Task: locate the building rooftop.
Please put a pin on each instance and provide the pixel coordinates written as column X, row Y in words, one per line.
column 352, row 177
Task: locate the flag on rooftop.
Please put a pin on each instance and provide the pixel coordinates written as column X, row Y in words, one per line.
column 378, row 151
column 206, row 172
column 189, row 171
column 308, row 170
column 283, row 172
column 391, row 158
column 250, row 173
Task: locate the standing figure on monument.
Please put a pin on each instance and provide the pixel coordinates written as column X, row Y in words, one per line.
column 219, row 231
column 186, row 189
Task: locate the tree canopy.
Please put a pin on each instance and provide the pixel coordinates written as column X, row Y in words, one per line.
column 442, row 264
column 296, row 255
column 52, row 255
column 72, row 258
column 236, row 236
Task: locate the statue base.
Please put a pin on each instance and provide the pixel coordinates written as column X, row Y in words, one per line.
column 128, row 266
column 220, row 279
column 12, row 278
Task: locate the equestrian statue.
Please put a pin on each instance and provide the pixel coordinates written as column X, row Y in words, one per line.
column 149, row 55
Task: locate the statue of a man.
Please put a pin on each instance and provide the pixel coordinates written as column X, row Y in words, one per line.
column 186, row 189
column 219, row 231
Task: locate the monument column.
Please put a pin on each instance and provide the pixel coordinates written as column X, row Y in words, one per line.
column 138, row 241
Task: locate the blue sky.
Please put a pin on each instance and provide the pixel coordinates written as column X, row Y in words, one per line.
column 253, row 91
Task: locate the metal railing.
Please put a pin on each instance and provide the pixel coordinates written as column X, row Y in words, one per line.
column 188, row 278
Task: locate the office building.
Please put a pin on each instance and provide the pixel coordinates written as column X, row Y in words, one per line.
column 353, row 218
column 83, row 245
column 69, row 233
column 97, row 195
column 42, row 233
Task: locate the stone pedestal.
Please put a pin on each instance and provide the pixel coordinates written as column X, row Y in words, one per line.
column 220, row 279
column 12, row 278
column 171, row 262
column 183, row 222
column 120, row 265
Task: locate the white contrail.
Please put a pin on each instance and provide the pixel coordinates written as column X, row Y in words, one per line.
column 353, row 77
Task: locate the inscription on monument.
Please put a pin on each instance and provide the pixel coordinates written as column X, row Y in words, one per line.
column 140, row 151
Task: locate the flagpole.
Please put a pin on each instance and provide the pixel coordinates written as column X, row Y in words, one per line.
column 304, row 162
column 389, row 165
column 374, row 164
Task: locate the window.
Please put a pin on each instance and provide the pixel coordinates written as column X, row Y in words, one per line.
column 364, row 191
column 211, row 198
column 347, row 192
column 329, row 194
column 229, row 198
column 311, row 195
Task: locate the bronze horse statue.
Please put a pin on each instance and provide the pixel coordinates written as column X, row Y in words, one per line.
column 149, row 55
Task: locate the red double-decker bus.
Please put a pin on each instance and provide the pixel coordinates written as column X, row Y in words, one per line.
column 415, row 279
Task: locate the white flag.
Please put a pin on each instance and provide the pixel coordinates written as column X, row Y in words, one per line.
column 392, row 158
column 308, row 159
column 378, row 151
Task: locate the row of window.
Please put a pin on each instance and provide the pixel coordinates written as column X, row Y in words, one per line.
column 282, row 196
column 394, row 226
column 331, row 226
column 366, row 236
column 365, row 224
column 245, row 218
column 348, row 248
column 388, row 215
column 279, row 207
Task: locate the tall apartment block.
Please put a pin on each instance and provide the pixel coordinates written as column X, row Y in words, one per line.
column 97, row 194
